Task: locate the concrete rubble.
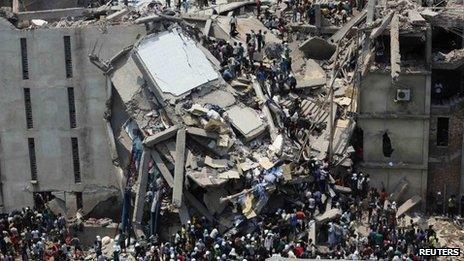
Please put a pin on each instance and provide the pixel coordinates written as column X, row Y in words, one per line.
column 206, row 137
column 223, row 148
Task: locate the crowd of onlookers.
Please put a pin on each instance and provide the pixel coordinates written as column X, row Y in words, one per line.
column 366, row 229
column 37, row 234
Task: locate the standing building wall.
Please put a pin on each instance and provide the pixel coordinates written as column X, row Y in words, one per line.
column 48, row 83
column 406, row 124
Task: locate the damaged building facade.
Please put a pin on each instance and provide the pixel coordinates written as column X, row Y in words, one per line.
column 54, row 139
column 410, row 105
column 87, row 128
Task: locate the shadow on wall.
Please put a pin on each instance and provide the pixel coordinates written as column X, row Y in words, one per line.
column 108, row 208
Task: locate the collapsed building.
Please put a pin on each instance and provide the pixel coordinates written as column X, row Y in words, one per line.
column 158, row 108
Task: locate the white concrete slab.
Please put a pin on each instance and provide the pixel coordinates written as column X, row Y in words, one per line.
column 246, row 121
column 175, row 62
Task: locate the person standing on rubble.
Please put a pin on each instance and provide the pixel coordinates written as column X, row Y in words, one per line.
column 185, row 4
column 462, row 205
column 259, row 40
column 452, row 204
column 439, row 203
column 233, row 25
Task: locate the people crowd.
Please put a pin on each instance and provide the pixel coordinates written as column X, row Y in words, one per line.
column 38, row 234
column 285, row 231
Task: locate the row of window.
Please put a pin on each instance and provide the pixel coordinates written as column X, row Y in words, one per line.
column 75, row 159
column 71, row 108
column 67, row 57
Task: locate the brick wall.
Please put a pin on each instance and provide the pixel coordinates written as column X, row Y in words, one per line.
column 444, row 173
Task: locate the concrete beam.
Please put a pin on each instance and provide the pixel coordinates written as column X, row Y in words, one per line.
column 179, row 168
column 168, row 133
column 208, row 27
column 385, row 22
column 141, row 185
column 395, row 55
column 162, row 168
column 416, row 18
column 118, row 15
column 340, row 34
column 410, row 203
column 393, row 116
column 202, row 133
column 381, row 165
column 265, row 109
column 184, row 214
column 53, row 14
column 195, row 203
column 318, row 15
column 370, row 12
column 399, row 189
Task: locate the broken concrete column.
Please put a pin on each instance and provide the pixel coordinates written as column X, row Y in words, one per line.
column 161, row 136
column 208, row 27
column 346, row 28
column 179, row 168
column 162, row 168
column 329, row 215
column 395, row 54
column 399, row 189
column 265, row 108
column 141, row 186
column 385, row 22
column 202, row 133
column 410, row 203
column 318, row 16
column 117, row 15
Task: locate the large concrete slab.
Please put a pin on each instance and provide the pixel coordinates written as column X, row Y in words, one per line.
column 244, row 26
column 399, row 190
column 329, row 215
column 220, row 98
column 410, row 203
column 175, row 63
column 313, row 76
column 246, row 121
column 127, row 80
column 317, row 48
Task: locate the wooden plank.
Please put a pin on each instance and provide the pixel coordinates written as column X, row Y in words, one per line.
column 395, row 54
column 179, row 169
column 160, row 136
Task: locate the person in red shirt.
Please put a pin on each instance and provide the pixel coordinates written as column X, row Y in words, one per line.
column 383, row 196
column 298, row 251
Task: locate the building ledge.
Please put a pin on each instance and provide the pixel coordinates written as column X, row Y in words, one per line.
column 393, row 165
column 392, row 116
